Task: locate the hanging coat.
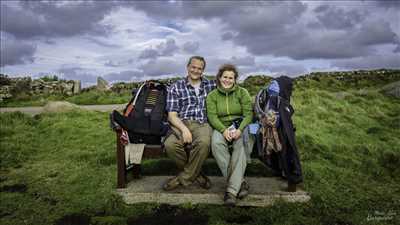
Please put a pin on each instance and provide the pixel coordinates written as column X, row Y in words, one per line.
column 287, row 161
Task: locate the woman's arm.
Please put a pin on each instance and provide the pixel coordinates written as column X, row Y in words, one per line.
column 212, row 115
column 247, row 109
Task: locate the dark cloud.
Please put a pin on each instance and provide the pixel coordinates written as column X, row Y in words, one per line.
column 281, row 28
column 103, row 43
column 111, row 63
column 225, row 10
column 288, row 69
column 149, row 53
column 370, row 62
column 77, row 73
column 156, row 9
column 269, row 18
column 243, row 64
column 22, row 24
column 15, row 52
column 209, row 9
column 167, row 48
column 227, row 36
column 388, row 3
column 332, row 17
column 126, row 76
column 191, row 46
column 185, row 9
column 299, row 43
column 162, row 66
column 31, row 19
column 179, row 27
column 376, row 32
column 329, row 45
column 243, row 61
column 49, row 41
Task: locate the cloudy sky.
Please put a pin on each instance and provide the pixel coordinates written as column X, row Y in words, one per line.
column 138, row 40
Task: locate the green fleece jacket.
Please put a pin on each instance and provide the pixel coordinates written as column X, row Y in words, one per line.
column 224, row 106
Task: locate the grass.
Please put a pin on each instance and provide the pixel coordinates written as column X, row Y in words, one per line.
column 61, row 167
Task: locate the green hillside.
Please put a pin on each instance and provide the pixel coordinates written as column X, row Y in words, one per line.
column 58, row 166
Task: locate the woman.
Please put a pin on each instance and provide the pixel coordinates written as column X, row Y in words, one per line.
column 229, row 111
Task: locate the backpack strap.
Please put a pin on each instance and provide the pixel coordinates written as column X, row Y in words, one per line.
column 131, row 105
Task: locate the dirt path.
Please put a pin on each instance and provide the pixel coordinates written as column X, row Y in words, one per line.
column 38, row 110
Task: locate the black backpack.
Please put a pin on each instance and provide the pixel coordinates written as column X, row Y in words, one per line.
column 145, row 117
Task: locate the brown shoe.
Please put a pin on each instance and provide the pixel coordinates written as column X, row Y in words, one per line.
column 203, row 181
column 171, row 184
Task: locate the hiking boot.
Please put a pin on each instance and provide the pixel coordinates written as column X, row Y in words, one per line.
column 171, row 184
column 229, row 199
column 244, row 190
column 203, row 181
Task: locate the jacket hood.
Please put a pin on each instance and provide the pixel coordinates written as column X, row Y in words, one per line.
column 285, row 86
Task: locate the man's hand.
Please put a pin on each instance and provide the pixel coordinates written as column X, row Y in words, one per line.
column 177, row 122
column 187, row 136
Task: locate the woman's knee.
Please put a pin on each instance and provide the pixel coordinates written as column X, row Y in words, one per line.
column 217, row 138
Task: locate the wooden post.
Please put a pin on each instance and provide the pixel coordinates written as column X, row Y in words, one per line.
column 121, row 169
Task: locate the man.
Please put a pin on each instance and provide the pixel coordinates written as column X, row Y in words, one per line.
column 189, row 143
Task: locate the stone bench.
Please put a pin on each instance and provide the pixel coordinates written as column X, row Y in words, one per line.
column 264, row 188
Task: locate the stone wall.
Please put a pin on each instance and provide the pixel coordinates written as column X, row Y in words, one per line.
column 355, row 76
column 12, row 87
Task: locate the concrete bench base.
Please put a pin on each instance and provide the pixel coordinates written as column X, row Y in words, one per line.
column 264, row 191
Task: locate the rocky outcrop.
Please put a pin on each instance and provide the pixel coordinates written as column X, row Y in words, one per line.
column 12, row 87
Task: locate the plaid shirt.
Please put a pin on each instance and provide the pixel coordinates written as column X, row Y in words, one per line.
column 182, row 99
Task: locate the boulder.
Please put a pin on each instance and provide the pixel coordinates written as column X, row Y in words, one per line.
column 5, row 92
column 102, row 85
column 60, row 106
column 68, row 88
column 77, row 87
column 342, row 95
column 392, row 89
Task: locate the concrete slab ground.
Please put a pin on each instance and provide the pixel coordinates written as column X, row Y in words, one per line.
column 263, row 192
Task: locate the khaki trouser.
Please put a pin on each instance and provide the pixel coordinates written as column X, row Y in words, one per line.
column 232, row 166
column 189, row 164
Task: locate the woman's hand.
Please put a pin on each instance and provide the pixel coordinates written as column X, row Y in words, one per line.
column 227, row 135
column 236, row 134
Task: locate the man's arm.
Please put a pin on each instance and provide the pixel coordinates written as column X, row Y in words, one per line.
column 174, row 119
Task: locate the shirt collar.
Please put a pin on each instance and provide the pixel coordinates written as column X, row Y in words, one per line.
column 203, row 81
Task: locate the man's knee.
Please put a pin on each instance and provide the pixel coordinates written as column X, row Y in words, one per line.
column 203, row 144
column 170, row 145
